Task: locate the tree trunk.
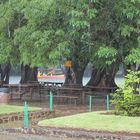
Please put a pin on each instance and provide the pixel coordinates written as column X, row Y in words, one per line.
column 138, row 68
column 95, row 77
column 68, row 79
column 79, row 63
column 28, row 74
column 5, row 73
column 79, row 73
column 103, row 78
column 75, row 74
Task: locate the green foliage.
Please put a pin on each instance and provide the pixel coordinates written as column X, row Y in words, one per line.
column 5, row 49
column 80, row 16
column 42, row 32
column 129, row 29
column 133, row 57
column 10, row 19
column 54, row 31
column 126, row 101
column 107, row 54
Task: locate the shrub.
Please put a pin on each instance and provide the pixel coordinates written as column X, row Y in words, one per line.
column 126, row 99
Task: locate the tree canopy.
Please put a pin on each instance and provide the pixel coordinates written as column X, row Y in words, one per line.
column 40, row 33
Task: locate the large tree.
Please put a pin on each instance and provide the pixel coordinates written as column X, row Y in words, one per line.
column 12, row 18
column 6, row 41
column 74, row 18
column 131, row 30
column 117, row 37
column 104, row 33
column 37, row 40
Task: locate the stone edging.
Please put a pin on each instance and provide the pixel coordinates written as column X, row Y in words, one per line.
column 72, row 133
column 4, row 118
column 87, row 134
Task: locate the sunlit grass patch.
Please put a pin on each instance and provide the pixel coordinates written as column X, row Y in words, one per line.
column 95, row 120
column 6, row 109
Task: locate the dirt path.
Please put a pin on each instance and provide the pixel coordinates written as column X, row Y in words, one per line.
column 28, row 137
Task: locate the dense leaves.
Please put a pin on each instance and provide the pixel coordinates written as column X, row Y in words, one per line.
column 126, row 99
column 41, row 33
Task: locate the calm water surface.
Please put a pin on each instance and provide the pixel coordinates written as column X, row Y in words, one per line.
column 15, row 80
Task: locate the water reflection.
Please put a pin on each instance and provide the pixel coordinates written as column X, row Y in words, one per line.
column 15, row 80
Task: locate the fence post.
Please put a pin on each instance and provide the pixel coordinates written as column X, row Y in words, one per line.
column 26, row 120
column 90, row 103
column 51, row 101
column 107, row 102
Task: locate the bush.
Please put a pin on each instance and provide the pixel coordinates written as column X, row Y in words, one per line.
column 127, row 99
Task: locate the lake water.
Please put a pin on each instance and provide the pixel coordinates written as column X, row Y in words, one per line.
column 15, row 80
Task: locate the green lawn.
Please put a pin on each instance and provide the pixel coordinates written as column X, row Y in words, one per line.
column 95, row 120
column 6, row 109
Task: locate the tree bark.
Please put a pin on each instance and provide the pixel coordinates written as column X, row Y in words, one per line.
column 75, row 74
column 28, row 74
column 79, row 73
column 104, row 78
column 5, row 73
column 68, row 79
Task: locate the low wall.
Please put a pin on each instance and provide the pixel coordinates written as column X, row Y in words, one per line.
column 87, row 134
column 74, row 134
column 5, row 118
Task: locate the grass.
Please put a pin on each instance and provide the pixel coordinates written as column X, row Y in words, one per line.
column 6, row 109
column 95, row 121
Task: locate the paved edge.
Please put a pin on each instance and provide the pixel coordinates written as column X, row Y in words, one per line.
column 73, row 133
